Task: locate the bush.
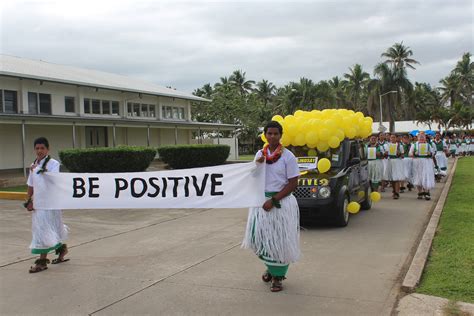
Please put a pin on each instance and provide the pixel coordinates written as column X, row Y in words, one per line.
column 101, row 160
column 193, row 156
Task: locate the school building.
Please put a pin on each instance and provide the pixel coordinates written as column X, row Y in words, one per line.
column 81, row 108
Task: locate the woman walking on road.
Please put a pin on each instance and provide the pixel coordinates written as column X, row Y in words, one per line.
column 423, row 166
column 273, row 229
column 395, row 172
column 48, row 230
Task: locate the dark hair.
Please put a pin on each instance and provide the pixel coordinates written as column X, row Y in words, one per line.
column 41, row 141
column 273, row 124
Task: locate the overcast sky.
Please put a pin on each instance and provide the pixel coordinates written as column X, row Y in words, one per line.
column 188, row 44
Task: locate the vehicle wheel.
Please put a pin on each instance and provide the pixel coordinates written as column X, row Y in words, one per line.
column 342, row 217
column 367, row 204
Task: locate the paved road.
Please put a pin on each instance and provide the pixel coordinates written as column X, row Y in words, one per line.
column 167, row 262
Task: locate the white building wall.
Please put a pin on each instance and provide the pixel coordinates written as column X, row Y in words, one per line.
column 10, row 144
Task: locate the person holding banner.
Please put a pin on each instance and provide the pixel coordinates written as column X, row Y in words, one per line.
column 48, row 230
column 395, row 172
column 273, row 229
column 374, row 156
column 423, row 166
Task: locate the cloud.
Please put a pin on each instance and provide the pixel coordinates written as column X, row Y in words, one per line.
column 187, row 44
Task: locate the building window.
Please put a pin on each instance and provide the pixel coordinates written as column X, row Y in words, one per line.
column 87, row 106
column 39, row 103
column 32, row 103
column 136, row 109
column 115, row 108
column 95, row 106
column 151, row 110
column 175, row 113
column 105, row 107
column 9, row 101
column 69, row 105
column 44, row 103
column 145, row 110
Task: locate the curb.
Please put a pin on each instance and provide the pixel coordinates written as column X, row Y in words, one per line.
column 413, row 275
column 4, row 195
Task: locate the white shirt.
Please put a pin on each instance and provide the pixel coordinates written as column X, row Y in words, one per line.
column 51, row 166
column 278, row 173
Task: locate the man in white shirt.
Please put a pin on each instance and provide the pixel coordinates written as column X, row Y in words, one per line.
column 273, row 229
column 48, row 230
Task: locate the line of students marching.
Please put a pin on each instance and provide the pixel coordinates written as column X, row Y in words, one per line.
column 407, row 162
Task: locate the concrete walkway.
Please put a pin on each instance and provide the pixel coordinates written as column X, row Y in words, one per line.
column 182, row 262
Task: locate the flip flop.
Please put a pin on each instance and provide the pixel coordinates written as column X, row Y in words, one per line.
column 57, row 260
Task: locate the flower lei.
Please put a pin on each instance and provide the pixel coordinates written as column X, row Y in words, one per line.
column 269, row 159
column 42, row 169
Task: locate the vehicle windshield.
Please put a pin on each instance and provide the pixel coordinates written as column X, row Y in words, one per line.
column 333, row 154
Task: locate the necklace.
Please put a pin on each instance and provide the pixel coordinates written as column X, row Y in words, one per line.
column 43, row 166
column 269, row 159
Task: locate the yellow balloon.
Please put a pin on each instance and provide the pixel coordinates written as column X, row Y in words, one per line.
column 312, row 153
column 299, row 140
column 292, row 130
column 263, row 138
column 286, row 140
column 351, row 132
column 353, row 207
column 324, row 134
column 277, row 118
column 290, row 119
column 311, row 137
column 322, row 147
column 361, row 194
column 324, row 165
column 339, row 134
column 299, row 113
column 375, row 196
column 333, row 142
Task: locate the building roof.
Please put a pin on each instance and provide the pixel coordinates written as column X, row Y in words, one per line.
column 408, row 126
column 41, row 70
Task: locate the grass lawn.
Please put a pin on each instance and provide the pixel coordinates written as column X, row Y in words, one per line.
column 450, row 269
column 246, row 157
column 20, row 188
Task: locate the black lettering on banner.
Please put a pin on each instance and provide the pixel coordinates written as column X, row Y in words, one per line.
column 186, row 186
column 93, row 186
column 155, row 186
column 78, row 184
column 200, row 191
column 132, row 187
column 120, row 185
column 165, row 185
column 175, row 186
column 215, row 183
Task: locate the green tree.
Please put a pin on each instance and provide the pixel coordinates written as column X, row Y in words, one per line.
column 243, row 85
column 398, row 56
column 357, row 81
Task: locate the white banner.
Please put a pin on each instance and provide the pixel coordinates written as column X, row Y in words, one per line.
column 228, row 186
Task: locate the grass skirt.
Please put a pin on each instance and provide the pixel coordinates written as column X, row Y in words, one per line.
column 441, row 160
column 408, row 169
column 47, row 229
column 375, row 170
column 275, row 234
column 423, row 173
column 395, row 171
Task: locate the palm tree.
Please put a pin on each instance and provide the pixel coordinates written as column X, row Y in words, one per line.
column 265, row 91
column 464, row 74
column 338, row 88
column 238, row 80
column 449, row 89
column 357, row 80
column 390, row 79
column 398, row 56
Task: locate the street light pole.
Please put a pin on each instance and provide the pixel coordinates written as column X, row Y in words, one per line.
column 381, row 127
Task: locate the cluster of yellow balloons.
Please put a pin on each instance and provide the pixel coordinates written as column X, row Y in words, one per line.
column 324, row 129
